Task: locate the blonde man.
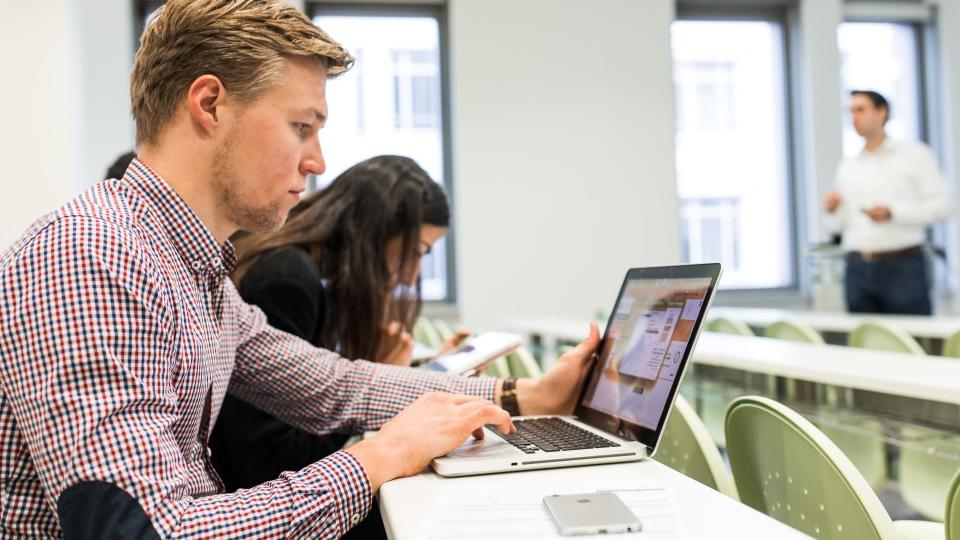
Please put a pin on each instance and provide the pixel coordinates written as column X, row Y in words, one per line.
column 120, row 331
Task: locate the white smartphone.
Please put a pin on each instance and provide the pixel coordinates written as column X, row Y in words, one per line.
column 591, row 513
column 473, row 355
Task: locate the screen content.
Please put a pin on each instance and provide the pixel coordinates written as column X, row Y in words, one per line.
column 646, row 341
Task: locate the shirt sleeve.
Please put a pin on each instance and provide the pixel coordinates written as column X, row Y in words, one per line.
column 91, row 383
column 835, row 222
column 320, row 392
column 931, row 200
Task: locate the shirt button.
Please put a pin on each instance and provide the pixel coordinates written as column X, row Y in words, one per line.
column 209, row 452
column 197, row 265
column 216, row 263
column 354, row 519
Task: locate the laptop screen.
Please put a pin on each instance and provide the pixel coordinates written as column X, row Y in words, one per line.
column 645, row 349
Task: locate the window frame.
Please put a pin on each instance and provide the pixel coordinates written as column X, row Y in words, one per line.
column 796, row 206
column 439, row 13
column 140, row 10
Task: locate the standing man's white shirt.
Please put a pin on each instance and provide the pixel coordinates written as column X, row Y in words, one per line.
column 902, row 176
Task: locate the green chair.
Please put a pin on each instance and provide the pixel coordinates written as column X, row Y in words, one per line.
column 686, row 447
column 726, row 325
column 951, row 346
column 953, row 510
column 498, row 368
column 790, row 330
column 713, row 407
column 869, row 453
column 863, row 443
column 425, row 333
column 925, row 477
column 522, row 364
column 794, row 331
column 881, row 336
column 443, row 329
column 787, row 468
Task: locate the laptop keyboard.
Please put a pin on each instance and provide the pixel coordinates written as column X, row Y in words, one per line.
column 552, row 435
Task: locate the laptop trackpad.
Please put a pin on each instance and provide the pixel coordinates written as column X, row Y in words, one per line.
column 490, row 446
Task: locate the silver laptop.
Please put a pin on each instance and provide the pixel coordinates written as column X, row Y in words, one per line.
column 624, row 405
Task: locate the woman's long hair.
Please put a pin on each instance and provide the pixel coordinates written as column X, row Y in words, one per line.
column 345, row 228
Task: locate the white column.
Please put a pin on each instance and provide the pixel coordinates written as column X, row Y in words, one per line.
column 821, row 104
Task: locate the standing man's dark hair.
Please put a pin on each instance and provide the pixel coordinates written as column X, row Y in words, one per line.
column 876, row 98
column 119, row 166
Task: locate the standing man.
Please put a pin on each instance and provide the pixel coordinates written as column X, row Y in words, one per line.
column 883, row 201
column 120, row 330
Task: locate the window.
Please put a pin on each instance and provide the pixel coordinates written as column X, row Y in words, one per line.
column 882, row 56
column 733, row 174
column 389, row 103
column 416, row 89
column 709, row 229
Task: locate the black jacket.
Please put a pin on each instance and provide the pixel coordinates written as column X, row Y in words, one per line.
column 249, row 446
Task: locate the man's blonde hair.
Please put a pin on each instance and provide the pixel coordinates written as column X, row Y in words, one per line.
column 242, row 42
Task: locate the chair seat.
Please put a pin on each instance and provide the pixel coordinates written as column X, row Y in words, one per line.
column 909, row 529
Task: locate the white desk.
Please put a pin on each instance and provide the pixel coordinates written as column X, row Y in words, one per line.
column 923, row 377
column 700, row 511
column 936, row 327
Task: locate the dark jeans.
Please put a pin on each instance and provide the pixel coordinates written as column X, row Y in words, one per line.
column 897, row 285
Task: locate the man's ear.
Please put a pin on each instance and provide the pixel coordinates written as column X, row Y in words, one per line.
column 205, row 100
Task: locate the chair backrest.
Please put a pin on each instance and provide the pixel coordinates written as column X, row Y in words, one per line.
column 443, row 329
column 498, row 368
column 425, row 333
column 881, row 336
column 953, row 510
column 523, row 364
column 786, row 468
column 951, row 346
column 791, row 330
column 924, row 479
column 687, row 447
column 725, row 325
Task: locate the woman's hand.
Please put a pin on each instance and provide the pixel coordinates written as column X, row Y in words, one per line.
column 396, row 346
column 455, row 340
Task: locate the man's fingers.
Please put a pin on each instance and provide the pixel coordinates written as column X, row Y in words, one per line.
column 491, row 414
column 459, row 399
column 588, row 346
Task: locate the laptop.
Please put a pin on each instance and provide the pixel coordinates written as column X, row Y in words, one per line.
column 627, row 398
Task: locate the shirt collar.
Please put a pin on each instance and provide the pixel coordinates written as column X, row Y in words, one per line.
column 887, row 145
column 194, row 242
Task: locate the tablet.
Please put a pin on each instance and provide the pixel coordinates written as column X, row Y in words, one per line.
column 475, row 353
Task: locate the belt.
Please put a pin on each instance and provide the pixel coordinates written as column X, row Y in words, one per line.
column 872, row 256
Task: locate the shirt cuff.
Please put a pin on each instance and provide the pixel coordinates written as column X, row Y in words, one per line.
column 485, row 387
column 349, row 486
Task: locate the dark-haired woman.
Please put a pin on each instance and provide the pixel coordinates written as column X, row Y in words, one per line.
column 342, row 273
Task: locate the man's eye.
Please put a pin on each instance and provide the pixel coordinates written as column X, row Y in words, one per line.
column 303, row 129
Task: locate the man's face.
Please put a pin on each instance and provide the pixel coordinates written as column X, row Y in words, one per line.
column 265, row 155
column 868, row 119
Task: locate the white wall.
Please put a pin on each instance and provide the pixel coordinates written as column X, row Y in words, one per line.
column 40, row 111
column 949, row 53
column 65, row 102
column 563, row 152
column 820, row 105
column 106, row 59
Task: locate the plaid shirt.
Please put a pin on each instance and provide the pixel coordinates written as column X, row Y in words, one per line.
column 119, row 334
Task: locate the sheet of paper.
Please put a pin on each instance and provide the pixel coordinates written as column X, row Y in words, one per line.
column 518, row 512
